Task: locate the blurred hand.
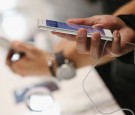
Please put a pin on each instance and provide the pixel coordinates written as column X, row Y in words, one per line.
column 122, row 35
column 34, row 62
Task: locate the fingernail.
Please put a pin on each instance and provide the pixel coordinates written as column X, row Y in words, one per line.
column 96, row 36
column 117, row 33
column 98, row 26
column 81, row 37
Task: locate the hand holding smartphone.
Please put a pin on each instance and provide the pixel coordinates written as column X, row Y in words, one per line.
column 73, row 28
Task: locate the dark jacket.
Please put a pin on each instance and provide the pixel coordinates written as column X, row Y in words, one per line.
column 130, row 21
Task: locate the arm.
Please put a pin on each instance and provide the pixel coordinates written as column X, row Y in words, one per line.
column 80, row 60
column 130, row 57
column 126, row 9
column 117, row 47
column 35, row 61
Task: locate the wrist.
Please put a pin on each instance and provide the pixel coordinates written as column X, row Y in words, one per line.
column 60, row 67
column 65, row 67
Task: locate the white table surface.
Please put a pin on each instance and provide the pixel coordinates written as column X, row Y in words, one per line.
column 70, row 98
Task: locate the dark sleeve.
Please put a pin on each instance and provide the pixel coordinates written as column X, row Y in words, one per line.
column 130, row 21
column 127, row 58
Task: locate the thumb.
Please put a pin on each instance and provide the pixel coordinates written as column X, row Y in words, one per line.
column 85, row 21
column 116, row 43
column 81, row 21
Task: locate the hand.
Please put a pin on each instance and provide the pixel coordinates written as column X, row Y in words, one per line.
column 121, row 32
column 34, row 62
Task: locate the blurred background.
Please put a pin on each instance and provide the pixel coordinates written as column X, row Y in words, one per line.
column 19, row 21
column 18, row 18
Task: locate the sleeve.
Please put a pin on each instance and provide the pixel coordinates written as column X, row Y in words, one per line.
column 129, row 20
column 128, row 58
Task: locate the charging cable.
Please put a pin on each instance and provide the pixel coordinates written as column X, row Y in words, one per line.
column 83, row 86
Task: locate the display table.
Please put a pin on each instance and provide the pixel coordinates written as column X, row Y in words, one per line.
column 70, row 98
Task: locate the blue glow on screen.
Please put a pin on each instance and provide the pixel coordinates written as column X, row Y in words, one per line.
column 73, row 27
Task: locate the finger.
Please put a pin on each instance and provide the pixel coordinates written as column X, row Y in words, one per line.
column 23, row 47
column 63, row 35
column 98, row 26
column 85, row 21
column 17, row 72
column 13, row 70
column 8, row 62
column 116, row 47
column 78, row 21
column 95, row 45
column 9, row 55
column 13, row 67
column 81, row 41
column 17, row 68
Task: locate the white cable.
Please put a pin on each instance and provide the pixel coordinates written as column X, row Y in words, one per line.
column 94, row 105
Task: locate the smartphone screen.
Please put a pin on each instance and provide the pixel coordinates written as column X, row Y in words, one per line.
column 73, row 27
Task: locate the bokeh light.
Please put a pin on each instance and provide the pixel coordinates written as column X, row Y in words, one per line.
column 14, row 25
column 7, row 4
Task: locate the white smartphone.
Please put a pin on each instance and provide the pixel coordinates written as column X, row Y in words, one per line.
column 73, row 28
